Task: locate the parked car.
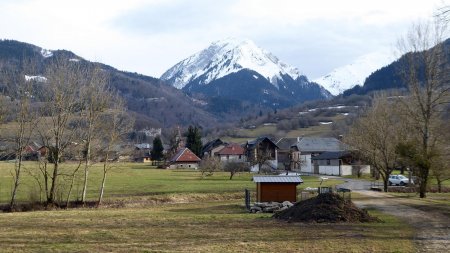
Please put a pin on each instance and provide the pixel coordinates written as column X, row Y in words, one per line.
column 399, row 180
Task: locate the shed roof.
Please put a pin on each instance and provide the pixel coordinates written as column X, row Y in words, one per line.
column 277, row 179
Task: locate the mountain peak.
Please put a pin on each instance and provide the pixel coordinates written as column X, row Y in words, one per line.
column 355, row 73
column 228, row 56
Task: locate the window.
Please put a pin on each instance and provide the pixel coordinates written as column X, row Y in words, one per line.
column 328, row 162
column 240, row 156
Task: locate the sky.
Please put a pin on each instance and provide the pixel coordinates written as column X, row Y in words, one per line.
column 150, row 36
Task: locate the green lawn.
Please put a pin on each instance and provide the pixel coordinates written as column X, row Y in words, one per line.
column 138, row 179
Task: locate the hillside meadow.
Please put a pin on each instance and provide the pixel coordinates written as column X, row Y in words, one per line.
column 151, row 210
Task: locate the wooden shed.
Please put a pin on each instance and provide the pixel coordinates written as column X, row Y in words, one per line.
column 276, row 188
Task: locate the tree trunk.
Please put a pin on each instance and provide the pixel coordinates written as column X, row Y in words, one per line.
column 16, row 183
column 385, row 183
column 86, row 164
column 100, row 197
column 231, row 175
column 423, row 186
column 105, row 170
column 51, row 197
column 439, row 183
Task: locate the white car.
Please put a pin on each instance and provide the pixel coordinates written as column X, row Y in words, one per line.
column 399, row 180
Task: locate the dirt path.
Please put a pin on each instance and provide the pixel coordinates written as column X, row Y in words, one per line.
column 432, row 228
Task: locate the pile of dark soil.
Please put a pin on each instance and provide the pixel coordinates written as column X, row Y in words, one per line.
column 328, row 207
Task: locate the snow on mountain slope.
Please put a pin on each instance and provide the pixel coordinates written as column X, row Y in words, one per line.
column 355, row 73
column 225, row 57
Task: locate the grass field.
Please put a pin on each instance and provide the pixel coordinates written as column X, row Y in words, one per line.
column 200, row 215
column 138, row 179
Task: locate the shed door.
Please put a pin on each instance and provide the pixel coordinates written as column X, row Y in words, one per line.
column 278, row 192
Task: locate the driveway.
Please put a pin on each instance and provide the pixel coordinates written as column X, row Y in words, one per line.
column 431, row 227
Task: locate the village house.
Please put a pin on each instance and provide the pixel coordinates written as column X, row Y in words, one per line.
column 310, row 147
column 184, row 159
column 232, row 152
column 211, row 148
column 262, row 151
column 340, row 163
column 288, row 154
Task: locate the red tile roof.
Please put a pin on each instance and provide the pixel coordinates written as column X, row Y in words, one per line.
column 232, row 149
column 185, row 155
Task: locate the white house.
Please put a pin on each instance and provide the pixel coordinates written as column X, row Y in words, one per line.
column 339, row 163
column 310, row 147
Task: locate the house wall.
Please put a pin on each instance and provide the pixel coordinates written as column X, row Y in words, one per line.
column 234, row 158
column 278, row 192
column 306, row 165
column 184, row 166
column 284, row 157
column 345, row 170
column 329, row 170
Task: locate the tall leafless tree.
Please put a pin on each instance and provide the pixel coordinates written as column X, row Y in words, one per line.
column 427, row 74
column 26, row 121
column 117, row 125
column 96, row 97
column 376, row 135
column 61, row 105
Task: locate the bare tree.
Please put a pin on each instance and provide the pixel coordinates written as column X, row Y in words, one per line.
column 236, row 167
column 61, row 104
column 375, row 137
column 26, row 122
column 209, row 165
column 117, row 125
column 96, row 97
column 427, row 74
column 263, row 160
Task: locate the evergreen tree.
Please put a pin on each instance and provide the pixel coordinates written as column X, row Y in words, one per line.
column 193, row 140
column 157, row 151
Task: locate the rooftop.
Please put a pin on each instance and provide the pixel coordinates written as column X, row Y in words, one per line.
column 277, row 179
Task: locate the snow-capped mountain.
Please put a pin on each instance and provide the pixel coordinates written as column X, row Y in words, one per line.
column 228, row 67
column 355, row 73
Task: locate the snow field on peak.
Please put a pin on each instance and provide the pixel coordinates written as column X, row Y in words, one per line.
column 228, row 56
column 355, row 73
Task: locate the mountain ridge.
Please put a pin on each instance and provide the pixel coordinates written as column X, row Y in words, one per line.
column 223, row 64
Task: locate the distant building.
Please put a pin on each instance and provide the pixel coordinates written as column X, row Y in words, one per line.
column 232, row 152
column 184, row 159
column 340, row 163
column 212, row 147
column 288, row 153
column 262, row 147
column 151, row 132
column 310, row 147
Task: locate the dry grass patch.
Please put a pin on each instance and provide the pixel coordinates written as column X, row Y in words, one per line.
column 218, row 226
